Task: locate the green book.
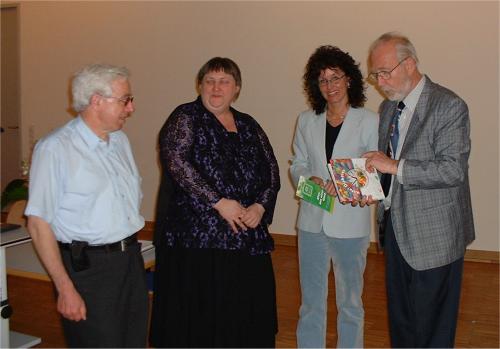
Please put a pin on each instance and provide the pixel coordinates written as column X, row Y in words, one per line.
column 311, row 192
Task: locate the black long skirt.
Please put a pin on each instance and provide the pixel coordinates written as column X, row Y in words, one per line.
column 208, row 298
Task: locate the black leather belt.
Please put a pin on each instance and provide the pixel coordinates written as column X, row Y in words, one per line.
column 121, row 245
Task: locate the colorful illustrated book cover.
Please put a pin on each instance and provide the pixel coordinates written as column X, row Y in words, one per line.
column 311, row 192
column 352, row 180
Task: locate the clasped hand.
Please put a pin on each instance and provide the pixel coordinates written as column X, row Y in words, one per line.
column 239, row 217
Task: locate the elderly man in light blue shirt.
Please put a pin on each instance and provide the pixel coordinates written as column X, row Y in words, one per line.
column 83, row 215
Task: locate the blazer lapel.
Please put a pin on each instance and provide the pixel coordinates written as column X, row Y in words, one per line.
column 418, row 114
column 318, row 134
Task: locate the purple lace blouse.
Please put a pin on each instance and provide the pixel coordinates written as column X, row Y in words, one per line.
column 205, row 163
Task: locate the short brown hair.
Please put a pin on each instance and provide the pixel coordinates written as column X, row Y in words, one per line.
column 224, row 64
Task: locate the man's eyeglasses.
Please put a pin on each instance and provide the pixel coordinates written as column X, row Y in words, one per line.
column 384, row 74
column 332, row 80
column 123, row 100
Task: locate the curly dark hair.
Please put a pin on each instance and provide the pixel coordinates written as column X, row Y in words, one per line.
column 330, row 57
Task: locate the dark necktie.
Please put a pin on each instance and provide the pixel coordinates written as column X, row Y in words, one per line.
column 387, row 178
column 395, row 128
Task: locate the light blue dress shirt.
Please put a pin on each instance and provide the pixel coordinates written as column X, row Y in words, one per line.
column 87, row 189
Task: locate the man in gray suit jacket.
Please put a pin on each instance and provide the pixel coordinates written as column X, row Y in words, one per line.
column 424, row 146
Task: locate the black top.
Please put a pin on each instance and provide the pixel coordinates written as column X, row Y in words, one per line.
column 330, row 138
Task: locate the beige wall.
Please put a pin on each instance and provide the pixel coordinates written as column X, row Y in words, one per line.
column 165, row 43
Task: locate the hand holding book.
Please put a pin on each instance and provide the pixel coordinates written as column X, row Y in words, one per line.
column 328, row 186
column 353, row 182
column 310, row 191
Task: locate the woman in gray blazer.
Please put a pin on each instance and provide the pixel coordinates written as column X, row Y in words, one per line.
column 337, row 126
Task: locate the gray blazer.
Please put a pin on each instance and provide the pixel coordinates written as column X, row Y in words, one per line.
column 357, row 136
column 431, row 211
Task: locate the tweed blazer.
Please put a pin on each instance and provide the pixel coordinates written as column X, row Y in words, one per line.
column 357, row 136
column 431, row 211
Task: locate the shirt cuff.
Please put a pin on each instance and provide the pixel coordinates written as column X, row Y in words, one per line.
column 400, row 170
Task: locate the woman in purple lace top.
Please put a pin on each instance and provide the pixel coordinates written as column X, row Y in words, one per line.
column 214, row 282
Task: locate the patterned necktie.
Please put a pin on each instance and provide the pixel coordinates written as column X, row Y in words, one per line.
column 387, row 178
column 395, row 128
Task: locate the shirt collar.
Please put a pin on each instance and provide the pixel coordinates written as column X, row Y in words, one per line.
column 411, row 100
column 89, row 137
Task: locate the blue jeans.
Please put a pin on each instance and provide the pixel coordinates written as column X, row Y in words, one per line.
column 349, row 260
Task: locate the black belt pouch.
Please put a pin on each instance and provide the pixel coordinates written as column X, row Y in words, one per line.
column 79, row 258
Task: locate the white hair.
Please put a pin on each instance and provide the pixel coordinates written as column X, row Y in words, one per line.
column 94, row 79
column 404, row 47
